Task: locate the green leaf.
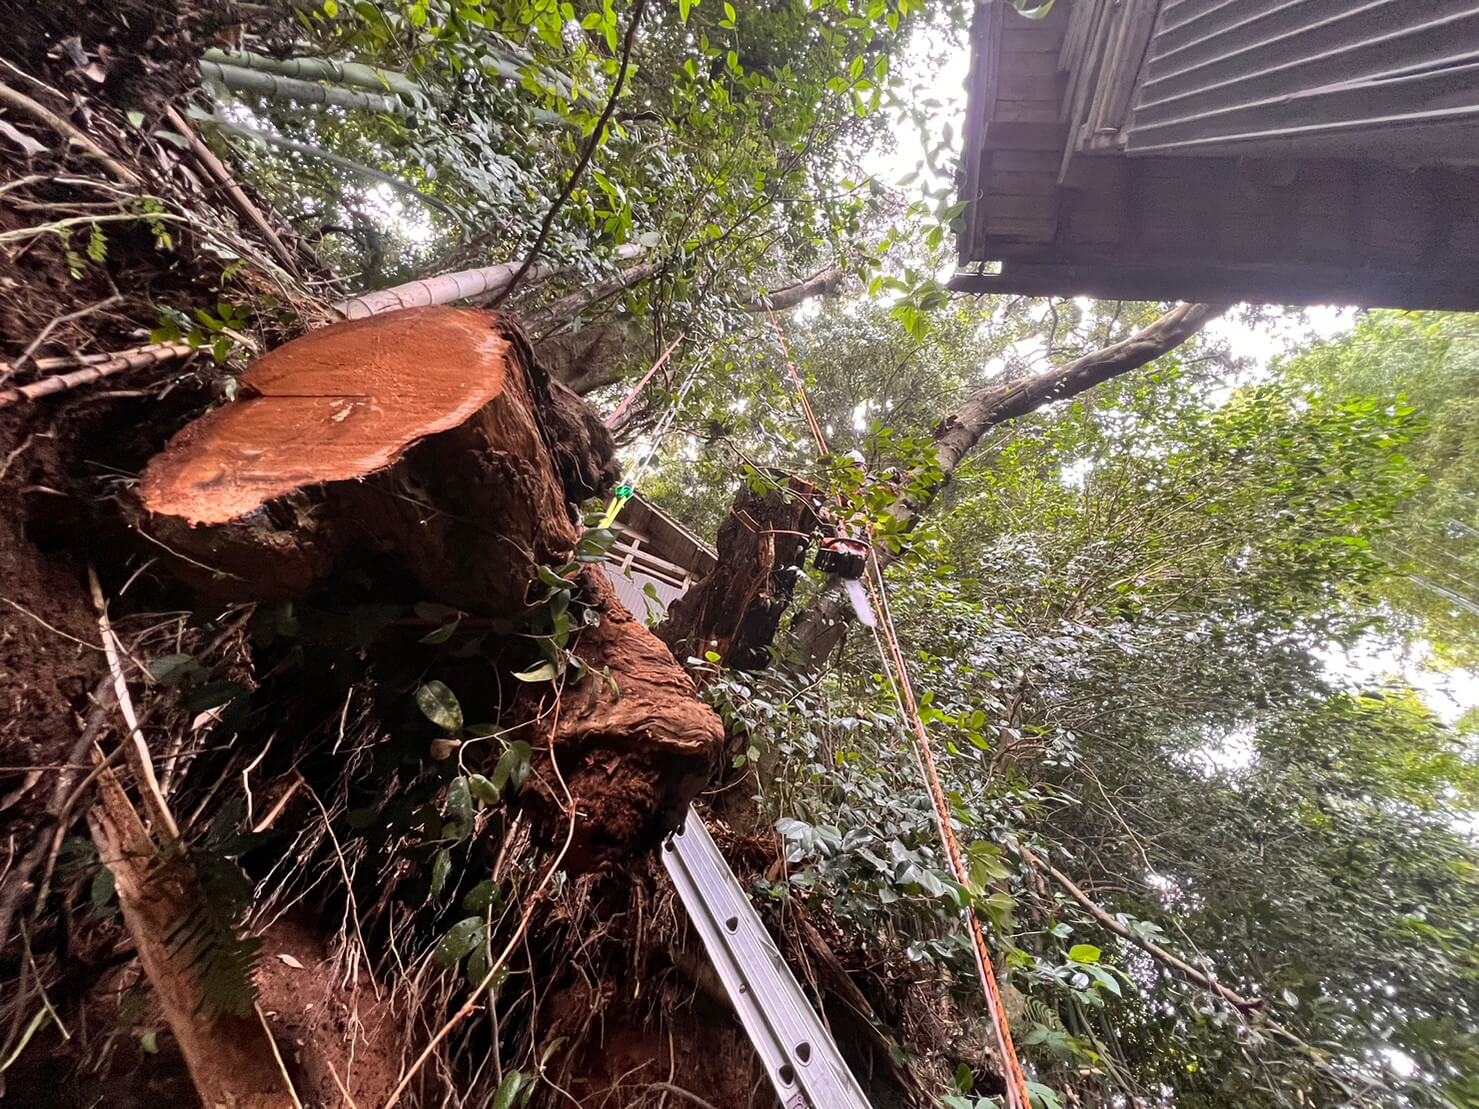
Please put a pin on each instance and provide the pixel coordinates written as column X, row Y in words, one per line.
column 513, row 766
column 542, row 672
column 439, row 705
column 1084, row 953
column 103, row 887
column 483, row 896
column 684, row 7
column 443, row 633
column 174, row 669
column 459, row 801
column 484, row 790
column 965, row 1078
column 513, row 1083
column 461, row 938
column 441, row 866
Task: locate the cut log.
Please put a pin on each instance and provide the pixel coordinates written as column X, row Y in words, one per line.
column 736, row 611
column 430, row 434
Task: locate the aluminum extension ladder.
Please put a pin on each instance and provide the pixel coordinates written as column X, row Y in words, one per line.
column 803, row 1063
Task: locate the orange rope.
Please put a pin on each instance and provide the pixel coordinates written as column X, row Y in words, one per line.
column 811, row 418
column 1016, row 1079
column 621, row 408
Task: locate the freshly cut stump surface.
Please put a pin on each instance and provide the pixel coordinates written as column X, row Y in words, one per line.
column 338, row 404
column 430, row 435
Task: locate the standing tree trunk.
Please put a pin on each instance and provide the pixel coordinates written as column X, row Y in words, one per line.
column 736, row 611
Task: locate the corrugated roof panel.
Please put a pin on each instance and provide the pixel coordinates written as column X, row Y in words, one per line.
column 1244, row 76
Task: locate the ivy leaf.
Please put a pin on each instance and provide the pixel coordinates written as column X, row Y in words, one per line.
column 483, row 896
column 443, row 633
column 513, row 766
column 1084, row 953
column 484, row 790
column 439, row 705
column 459, row 801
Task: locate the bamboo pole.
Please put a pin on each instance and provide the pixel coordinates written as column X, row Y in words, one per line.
column 322, row 69
column 448, row 287
column 114, row 364
column 272, row 86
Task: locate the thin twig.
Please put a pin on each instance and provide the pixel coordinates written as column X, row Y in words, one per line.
column 52, row 325
column 1184, row 968
column 277, row 1056
column 24, row 103
column 56, row 227
column 213, row 166
column 24, row 611
column 590, row 149
column 136, row 748
column 16, row 881
column 669, row 1088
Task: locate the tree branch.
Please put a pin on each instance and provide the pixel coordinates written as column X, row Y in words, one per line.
column 590, row 149
column 1181, row 966
column 827, row 283
column 820, row 628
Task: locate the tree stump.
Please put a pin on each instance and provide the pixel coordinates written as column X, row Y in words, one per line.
column 736, row 610
column 430, row 435
column 433, row 438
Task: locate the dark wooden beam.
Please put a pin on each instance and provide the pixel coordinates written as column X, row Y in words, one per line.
column 1255, row 284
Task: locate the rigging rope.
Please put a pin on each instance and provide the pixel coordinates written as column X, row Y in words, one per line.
column 897, row 671
column 628, row 487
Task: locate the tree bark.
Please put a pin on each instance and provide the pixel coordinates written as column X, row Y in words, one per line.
column 634, row 743
column 736, row 611
column 820, row 628
column 827, row 283
column 231, row 1060
column 566, row 308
